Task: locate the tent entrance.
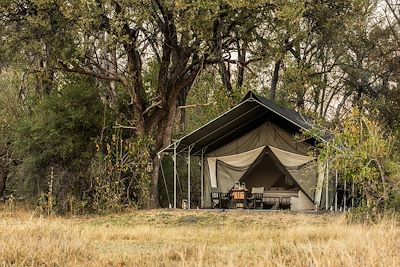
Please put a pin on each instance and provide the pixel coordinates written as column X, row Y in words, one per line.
column 286, row 177
column 265, row 173
column 279, row 187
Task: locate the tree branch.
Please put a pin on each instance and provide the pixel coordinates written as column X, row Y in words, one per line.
column 89, row 72
column 196, row 105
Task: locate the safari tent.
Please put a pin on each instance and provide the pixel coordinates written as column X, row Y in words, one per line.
column 255, row 144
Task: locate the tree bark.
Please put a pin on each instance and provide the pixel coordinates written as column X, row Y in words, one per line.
column 322, row 99
column 225, row 76
column 154, row 192
column 275, row 78
column 300, row 99
column 340, row 106
column 3, row 179
column 182, row 112
column 163, row 139
column 242, row 59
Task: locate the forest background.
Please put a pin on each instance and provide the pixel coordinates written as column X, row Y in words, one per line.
column 91, row 90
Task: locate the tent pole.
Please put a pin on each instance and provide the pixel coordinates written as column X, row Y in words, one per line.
column 327, row 187
column 202, row 179
column 320, row 183
column 336, row 193
column 165, row 184
column 174, row 157
column 188, row 163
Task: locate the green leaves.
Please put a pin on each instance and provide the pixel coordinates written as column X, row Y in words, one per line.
column 61, row 128
column 365, row 154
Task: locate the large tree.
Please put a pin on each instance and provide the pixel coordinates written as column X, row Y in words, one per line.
column 121, row 41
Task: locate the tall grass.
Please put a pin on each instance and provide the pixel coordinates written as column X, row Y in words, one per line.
column 197, row 238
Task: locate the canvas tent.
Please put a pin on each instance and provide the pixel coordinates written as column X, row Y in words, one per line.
column 254, row 142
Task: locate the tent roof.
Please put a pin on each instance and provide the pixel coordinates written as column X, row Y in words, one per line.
column 250, row 113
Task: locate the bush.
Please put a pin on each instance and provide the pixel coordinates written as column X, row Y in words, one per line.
column 121, row 174
column 364, row 153
column 59, row 133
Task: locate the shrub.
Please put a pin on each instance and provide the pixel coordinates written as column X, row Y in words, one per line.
column 59, row 133
column 364, row 153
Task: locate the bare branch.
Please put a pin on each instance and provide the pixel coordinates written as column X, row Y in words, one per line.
column 197, row 105
column 89, row 72
column 147, row 110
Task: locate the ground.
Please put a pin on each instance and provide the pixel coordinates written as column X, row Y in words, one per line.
column 196, row 238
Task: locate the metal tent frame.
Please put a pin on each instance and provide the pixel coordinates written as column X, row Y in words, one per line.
column 247, row 115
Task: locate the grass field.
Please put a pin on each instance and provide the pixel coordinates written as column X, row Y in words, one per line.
column 196, row 238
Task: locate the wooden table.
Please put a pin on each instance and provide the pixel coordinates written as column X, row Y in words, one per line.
column 239, row 197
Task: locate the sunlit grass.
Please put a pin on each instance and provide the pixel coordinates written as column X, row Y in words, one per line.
column 196, row 238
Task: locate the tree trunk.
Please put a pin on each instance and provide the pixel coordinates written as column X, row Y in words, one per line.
column 154, row 192
column 225, row 76
column 275, row 78
column 163, row 139
column 3, row 178
column 242, row 59
column 300, row 100
column 340, row 106
column 182, row 112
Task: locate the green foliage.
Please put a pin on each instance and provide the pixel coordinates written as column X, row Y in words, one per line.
column 121, row 175
column 209, row 99
column 153, row 56
column 59, row 133
column 365, row 154
column 62, row 125
column 10, row 113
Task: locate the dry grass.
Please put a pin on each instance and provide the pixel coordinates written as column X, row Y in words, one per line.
column 196, row 238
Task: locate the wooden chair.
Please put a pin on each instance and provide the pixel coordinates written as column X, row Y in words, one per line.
column 215, row 201
column 219, row 199
column 256, row 198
